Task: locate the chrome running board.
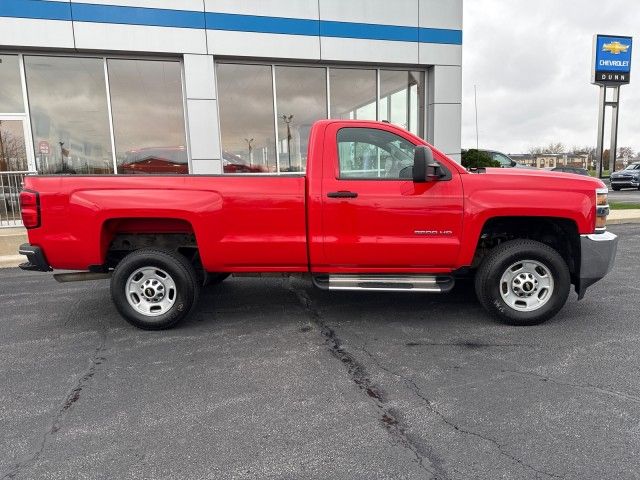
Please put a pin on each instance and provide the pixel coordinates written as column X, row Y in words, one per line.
column 388, row 283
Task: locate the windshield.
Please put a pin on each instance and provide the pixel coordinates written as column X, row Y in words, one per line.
column 633, row 166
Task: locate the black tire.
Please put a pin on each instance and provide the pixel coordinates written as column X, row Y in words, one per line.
column 618, row 188
column 501, row 258
column 180, row 272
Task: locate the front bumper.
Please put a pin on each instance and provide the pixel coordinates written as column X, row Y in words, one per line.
column 625, row 182
column 36, row 261
column 598, row 253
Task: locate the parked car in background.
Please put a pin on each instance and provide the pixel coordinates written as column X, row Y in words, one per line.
column 505, row 160
column 627, row 178
column 568, row 169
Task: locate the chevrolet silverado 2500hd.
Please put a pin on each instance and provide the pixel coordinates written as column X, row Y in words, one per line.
column 377, row 209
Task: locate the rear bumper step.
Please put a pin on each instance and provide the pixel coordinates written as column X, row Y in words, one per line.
column 388, row 283
column 36, row 260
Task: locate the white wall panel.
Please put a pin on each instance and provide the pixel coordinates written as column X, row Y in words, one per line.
column 169, row 4
column 138, row 38
column 444, row 127
column 203, row 129
column 268, row 45
column 206, row 166
column 445, row 84
column 385, row 12
column 22, row 32
column 376, row 51
column 270, row 8
column 199, row 76
column 440, row 54
column 441, row 14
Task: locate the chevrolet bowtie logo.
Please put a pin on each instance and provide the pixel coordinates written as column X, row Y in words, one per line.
column 615, row 47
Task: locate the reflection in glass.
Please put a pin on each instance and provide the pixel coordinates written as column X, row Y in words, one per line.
column 301, row 97
column 10, row 86
column 402, row 99
column 68, row 104
column 13, row 153
column 368, row 153
column 245, row 94
column 353, row 93
column 148, row 116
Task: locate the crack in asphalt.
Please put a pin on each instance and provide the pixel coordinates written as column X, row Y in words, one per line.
column 390, row 418
column 468, row 344
column 411, row 384
column 586, row 386
column 60, row 414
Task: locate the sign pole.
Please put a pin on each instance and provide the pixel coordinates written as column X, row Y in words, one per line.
column 600, row 145
column 615, row 104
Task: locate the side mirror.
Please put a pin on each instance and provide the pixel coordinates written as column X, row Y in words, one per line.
column 425, row 169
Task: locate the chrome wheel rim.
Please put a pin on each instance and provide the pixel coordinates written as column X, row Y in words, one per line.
column 151, row 291
column 526, row 285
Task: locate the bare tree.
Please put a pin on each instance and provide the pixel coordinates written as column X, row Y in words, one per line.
column 547, row 149
column 625, row 152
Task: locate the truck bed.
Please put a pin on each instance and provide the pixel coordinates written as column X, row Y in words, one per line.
column 240, row 222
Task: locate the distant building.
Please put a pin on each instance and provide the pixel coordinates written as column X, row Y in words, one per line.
column 553, row 160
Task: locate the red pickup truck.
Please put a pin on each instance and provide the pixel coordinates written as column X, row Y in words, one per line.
column 377, row 209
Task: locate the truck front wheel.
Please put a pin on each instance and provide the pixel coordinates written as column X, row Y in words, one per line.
column 154, row 289
column 523, row 282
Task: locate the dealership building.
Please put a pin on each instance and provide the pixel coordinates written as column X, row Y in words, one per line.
column 217, row 86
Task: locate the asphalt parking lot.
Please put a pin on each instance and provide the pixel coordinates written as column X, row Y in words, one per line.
column 628, row 195
column 273, row 379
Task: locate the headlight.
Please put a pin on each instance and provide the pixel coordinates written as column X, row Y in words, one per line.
column 602, row 209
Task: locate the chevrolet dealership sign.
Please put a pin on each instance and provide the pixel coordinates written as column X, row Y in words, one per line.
column 611, row 60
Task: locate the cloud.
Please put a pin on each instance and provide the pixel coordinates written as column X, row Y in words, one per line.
column 531, row 64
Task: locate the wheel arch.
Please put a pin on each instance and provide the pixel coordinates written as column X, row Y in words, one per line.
column 122, row 235
column 559, row 233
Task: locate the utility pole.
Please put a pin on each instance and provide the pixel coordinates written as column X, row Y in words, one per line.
column 475, row 94
column 287, row 119
column 2, row 154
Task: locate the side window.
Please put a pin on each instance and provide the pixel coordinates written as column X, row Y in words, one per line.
column 504, row 161
column 369, row 153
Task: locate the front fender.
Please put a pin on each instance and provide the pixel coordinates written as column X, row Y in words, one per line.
column 484, row 205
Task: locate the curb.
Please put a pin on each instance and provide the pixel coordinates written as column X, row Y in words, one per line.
column 619, row 217
column 11, row 261
column 623, row 221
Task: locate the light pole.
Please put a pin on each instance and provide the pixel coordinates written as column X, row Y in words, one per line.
column 3, row 159
column 475, row 95
column 287, row 120
column 64, row 165
column 249, row 144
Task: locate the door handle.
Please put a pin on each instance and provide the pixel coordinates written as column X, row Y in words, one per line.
column 342, row 194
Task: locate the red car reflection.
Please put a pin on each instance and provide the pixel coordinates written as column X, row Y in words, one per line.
column 173, row 160
column 234, row 164
column 167, row 160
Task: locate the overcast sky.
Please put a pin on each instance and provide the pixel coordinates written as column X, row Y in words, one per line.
column 531, row 62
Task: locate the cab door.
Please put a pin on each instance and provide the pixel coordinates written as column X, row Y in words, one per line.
column 374, row 217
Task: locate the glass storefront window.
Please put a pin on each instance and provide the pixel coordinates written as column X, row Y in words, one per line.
column 148, row 116
column 353, row 93
column 13, row 153
column 10, row 86
column 245, row 100
column 69, row 117
column 402, row 99
column 301, row 99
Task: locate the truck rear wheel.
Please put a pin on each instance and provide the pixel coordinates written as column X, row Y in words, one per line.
column 523, row 282
column 154, row 289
